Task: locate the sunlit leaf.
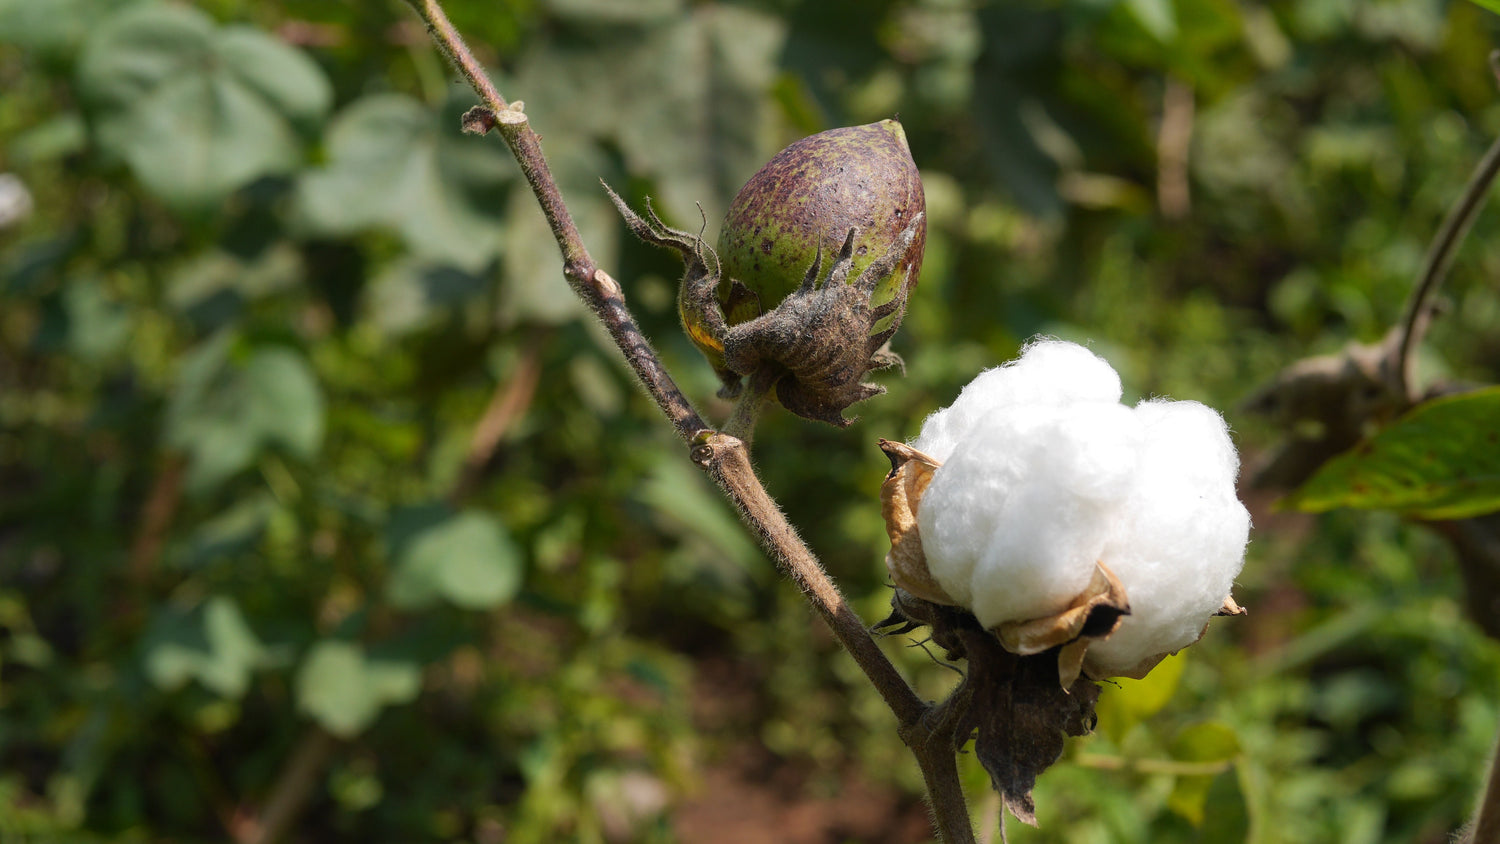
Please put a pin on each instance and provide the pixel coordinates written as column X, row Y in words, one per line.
column 224, row 411
column 613, row 12
column 51, row 25
column 1439, row 461
column 198, row 111
column 1155, row 16
column 708, row 72
column 1492, row 5
column 1206, row 742
column 466, row 559
column 343, row 688
column 1125, row 702
column 212, row 645
column 410, row 294
column 397, row 164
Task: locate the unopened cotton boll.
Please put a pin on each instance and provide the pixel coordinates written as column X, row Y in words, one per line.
column 1044, row 473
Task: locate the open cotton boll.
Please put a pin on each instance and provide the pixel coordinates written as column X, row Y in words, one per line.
column 1048, row 372
column 1044, row 474
column 1181, row 538
column 1013, row 523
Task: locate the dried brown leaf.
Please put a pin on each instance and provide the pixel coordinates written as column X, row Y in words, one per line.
column 1092, row 616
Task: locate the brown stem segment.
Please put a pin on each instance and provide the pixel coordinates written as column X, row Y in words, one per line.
column 294, row 788
column 1439, row 258
column 725, row 458
column 1487, row 817
column 507, row 404
column 727, row 461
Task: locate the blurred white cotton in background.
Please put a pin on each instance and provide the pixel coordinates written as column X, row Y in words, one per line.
column 1045, row 473
column 15, row 200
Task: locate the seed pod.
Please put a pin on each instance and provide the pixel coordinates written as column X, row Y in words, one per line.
column 846, row 201
column 808, row 197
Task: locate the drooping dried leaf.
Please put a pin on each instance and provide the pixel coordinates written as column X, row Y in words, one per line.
column 900, row 497
column 1092, row 616
column 1019, row 716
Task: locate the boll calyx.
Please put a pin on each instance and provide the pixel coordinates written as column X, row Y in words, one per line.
column 847, row 201
column 1060, row 517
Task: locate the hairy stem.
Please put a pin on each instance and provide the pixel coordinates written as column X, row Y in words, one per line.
column 1487, row 817
column 747, row 410
column 725, row 458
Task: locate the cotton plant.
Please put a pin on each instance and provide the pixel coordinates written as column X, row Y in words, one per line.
column 1046, row 534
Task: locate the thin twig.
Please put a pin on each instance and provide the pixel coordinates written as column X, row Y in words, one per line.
column 293, row 789
column 1450, row 236
column 156, row 516
column 507, row 404
column 752, row 402
column 725, row 458
column 1175, row 767
column 1173, row 141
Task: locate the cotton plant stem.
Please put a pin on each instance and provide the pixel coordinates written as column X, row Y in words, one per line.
column 507, row 404
column 294, row 788
column 724, row 457
column 1450, row 236
column 1487, row 817
column 747, row 410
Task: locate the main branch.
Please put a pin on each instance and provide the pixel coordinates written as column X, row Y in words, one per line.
column 725, row 458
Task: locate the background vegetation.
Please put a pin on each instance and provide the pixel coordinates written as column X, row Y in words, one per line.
column 323, row 508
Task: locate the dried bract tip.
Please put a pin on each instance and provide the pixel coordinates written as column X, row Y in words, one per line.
column 1094, row 614
column 900, row 495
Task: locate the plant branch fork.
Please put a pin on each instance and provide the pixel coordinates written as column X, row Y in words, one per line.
column 724, row 457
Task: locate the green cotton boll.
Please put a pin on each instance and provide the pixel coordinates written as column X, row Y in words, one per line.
column 807, row 198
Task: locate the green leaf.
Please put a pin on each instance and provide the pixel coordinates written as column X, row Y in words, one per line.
column 1492, row 5
column 397, row 164
column 211, row 644
column 709, row 73
column 231, row 532
column 613, row 12
column 196, row 110
column 1122, row 706
column 224, row 412
column 1439, row 461
column 1156, row 17
column 212, row 288
column 467, row 559
column 84, row 320
column 1206, row 742
column 55, row 24
column 344, row 689
column 412, row 294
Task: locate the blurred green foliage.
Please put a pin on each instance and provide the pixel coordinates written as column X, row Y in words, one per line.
column 265, row 291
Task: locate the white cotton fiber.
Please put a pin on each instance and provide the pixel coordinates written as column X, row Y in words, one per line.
column 1048, row 372
column 1045, row 472
column 1181, row 537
